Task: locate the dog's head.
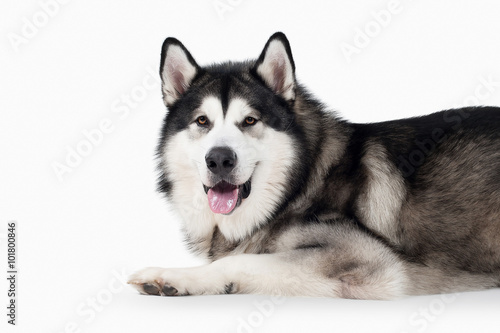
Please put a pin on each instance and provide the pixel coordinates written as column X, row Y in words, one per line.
column 228, row 143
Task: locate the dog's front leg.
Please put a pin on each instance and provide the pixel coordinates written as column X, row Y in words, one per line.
column 289, row 274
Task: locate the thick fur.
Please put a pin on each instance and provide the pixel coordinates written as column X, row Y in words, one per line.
column 372, row 211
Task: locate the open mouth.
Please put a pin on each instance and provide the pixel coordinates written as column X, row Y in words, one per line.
column 224, row 197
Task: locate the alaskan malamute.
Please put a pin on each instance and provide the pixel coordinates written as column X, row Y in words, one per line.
column 283, row 197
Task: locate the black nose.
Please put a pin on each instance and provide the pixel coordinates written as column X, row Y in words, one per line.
column 221, row 160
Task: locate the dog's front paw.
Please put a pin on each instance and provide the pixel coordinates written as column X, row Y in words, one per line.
column 152, row 281
column 177, row 282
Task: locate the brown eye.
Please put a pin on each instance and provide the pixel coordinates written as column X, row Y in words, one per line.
column 249, row 121
column 202, row 121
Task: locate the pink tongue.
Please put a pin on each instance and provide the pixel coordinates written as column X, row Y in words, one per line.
column 222, row 200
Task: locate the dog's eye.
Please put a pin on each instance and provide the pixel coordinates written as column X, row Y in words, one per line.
column 202, row 121
column 249, row 121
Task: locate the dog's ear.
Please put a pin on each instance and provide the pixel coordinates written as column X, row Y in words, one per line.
column 276, row 67
column 177, row 70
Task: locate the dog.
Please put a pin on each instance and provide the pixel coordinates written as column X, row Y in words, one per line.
column 283, row 197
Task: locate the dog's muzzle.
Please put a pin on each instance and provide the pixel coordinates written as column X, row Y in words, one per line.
column 224, row 197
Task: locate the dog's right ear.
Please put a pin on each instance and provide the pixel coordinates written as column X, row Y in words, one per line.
column 177, row 70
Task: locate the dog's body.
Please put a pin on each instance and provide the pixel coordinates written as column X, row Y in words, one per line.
column 285, row 198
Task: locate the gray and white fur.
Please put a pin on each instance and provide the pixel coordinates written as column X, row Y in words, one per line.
column 283, row 197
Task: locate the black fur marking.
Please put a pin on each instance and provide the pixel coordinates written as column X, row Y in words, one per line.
column 220, row 245
column 228, row 288
column 225, row 91
column 310, row 246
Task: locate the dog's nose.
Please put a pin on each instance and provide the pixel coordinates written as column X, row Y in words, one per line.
column 221, row 160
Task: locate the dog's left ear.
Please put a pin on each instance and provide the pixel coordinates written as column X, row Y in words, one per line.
column 177, row 70
column 276, row 67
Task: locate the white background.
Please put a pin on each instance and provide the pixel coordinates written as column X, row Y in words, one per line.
column 80, row 235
